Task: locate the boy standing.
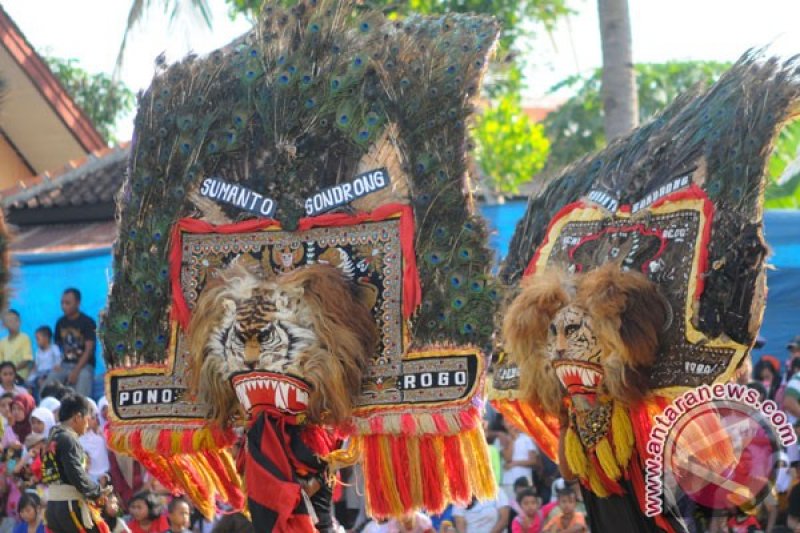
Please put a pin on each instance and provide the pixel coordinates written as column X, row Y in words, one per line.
column 16, row 348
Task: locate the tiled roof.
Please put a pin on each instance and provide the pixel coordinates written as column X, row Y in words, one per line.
column 82, row 191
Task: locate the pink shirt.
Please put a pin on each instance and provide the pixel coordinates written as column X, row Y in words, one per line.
column 536, row 524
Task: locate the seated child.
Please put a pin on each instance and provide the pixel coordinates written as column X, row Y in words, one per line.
column 531, row 519
column 28, row 470
column 30, row 514
column 111, row 515
column 47, row 359
column 567, row 519
column 146, row 517
column 179, row 513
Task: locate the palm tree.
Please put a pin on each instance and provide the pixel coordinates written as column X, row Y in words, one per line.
column 173, row 8
column 620, row 100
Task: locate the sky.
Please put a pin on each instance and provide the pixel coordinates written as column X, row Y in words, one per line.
column 91, row 30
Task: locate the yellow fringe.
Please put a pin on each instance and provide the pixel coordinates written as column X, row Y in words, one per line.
column 415, row 466
column 382, row 482
column 388, row 479
column 576, row 456
column 596, row 485
column 605, row 456
column 478, row 462
column 622, row 430
column 344, row 457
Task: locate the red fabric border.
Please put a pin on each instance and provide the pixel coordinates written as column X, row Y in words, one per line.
column 567, row 209
column 693, row 192
column 412, row 288
column 180, row 309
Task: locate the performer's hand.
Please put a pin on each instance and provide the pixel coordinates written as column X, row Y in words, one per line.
column 72, row 379
column 311, row 486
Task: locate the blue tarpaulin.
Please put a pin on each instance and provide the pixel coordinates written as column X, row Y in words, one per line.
column 39, row 280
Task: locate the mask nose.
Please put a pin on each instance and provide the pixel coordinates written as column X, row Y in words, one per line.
column 251, row 351
column 561, row 345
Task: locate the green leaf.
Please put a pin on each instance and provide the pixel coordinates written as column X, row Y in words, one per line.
column 511, row 148
column 103, row 100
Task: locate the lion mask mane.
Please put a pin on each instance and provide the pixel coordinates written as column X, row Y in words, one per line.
column 605, row 319
column 307, row 324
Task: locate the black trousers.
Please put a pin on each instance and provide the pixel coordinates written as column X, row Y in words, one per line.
column 65, row 517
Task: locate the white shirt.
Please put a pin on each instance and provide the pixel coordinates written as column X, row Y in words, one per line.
column 95, row 447
column 47, row 359
column 523, row 445
column 481, row 517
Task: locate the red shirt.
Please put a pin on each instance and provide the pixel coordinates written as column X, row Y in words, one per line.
column 156, row 526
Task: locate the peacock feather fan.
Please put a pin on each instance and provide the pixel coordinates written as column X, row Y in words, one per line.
column 292, row 108
column 711, row 147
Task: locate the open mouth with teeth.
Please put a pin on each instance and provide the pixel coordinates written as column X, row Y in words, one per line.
column 272, row 391
column 579, row 377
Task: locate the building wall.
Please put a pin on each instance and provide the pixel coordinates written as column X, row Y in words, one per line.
column 12, row 167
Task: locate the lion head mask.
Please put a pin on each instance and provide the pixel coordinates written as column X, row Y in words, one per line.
column 585, row 334
column 296, row 343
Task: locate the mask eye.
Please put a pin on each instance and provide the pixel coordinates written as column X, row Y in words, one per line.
column 571, row 329
column 553, row 330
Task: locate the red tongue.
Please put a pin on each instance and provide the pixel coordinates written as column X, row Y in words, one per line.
column 270, row 390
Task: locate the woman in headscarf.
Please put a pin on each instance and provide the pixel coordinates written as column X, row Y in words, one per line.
column 94, row 443
column 102, row 405
column 52, row 404
column 22, row 406
column 42, row 420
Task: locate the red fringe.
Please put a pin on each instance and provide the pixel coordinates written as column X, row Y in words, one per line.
column 408, row 425
column 319, row 440
column 457, row 476
column 432, row 482
column 608, row 483
column 372, row 464
column 164, row 446
column 403, row 473
column 235, row 496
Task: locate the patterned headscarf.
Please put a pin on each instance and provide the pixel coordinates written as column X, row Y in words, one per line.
column 28, row 404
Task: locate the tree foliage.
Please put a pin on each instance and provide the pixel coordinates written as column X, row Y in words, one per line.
column 511, row 148
column 576, row 128
column 102, row 99
column 172, row 8
column 785, row 194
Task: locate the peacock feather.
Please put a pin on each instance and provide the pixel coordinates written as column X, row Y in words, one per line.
column 291, row 108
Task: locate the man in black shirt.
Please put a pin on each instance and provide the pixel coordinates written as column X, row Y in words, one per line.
column 76, row 335
column 63, row 469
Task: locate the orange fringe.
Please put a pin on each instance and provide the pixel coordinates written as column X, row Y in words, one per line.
column 405, row 471
column 189, row 460
column 543, row 428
